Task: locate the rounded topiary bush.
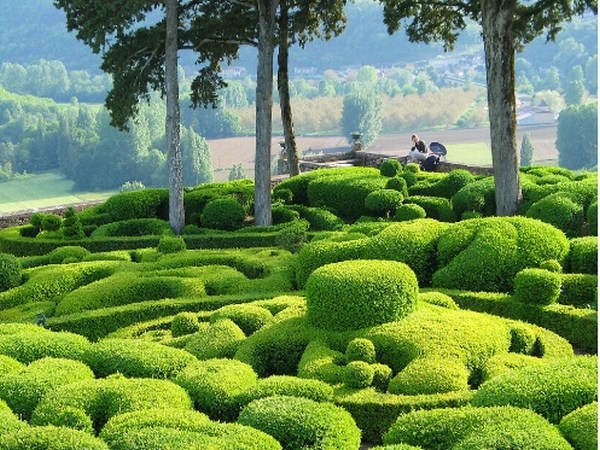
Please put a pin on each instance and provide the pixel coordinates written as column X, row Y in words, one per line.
column 302, row 423
column 145, row 203
column 437, row 208
column 552, row 265
column 560, row 210
column 430, row 376
column 580, row 427
column 214, row 385
column 390, row 167
column 290, row 386
column 359, row 294
column 398, row 184
column 361, row 349
column 8, row 421
column 50, row 438
column 439, row 299
column 552, row 390
column 51, row 222
column 28, row 344
column 184, row 323
column 592, row 218
column 71, row 252
column 223, row 214
column 583, row 255
column 133, row 227
column 10, row 272
column 136, row 358
column 522, row 339
column 358, row 374
column 478, row 196
column 579, row 289
column 537, row 286
column 8, row 365
column 171, row 244
column 283, row 214
column 383, row 202
column 250, row 318
column 23, row 389
column 409, row 211
column 220, row 340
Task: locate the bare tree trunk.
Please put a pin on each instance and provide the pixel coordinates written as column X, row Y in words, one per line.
column 499, row 43
column 284, row 92
column 174, row 156
column 264, row 115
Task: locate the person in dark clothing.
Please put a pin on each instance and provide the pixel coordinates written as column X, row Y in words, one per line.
column 418, row 151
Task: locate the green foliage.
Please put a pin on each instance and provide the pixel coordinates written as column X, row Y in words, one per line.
column 439, row 299
column 397, row 183
column 478, row 196
column 362, row 113
column 559, row 210
column 8, row 420
column 132, row 227
column 430, row 376
column 390, row 167
column 526, row 151
column 445, row 187
column 577, row 136
column 437, row 208
column 214, row 385
column 485, row 254
column 250, row 318
column 592, row 218
column 302, row 423
column 142, row 204
column 293, row 237
column 583, row 255
column 184, row 323
column 23, row 389
column 50, row 438
column 135, row 358
column 580, row 290
column 505, row 362
column 196, row 199
column 537, row 286
column 51, row 222
column 552, row 265
column 580, row 427
column 283, row 214
column 358, row 294
column 220, row 340
column 8, row 365
column 71, row 226
column 10, row 272
column 383, row 202
column 69, row 252
column 552, row 390
column 361, row 349
column 320, row 362
column 476, row 428
column 358, row 374
column 319, row 219
column 223, row 214
column 171, row 244
column 409, row 211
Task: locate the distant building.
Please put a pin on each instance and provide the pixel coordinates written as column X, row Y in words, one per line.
column 535, row 115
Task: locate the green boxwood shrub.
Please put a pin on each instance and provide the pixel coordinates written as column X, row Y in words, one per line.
column 132, row 227
column 71, row 226
column 223, row 214
column 8, row 421
column 220, row 340
column 397, row 183
column 283, row 214
column 250, row 318
column 476, row 428
column 51, row 222
column 23, row 389
column 101, row 399
column 390, row 167
column 396, row 447
column 592, row 218
column 446, row 186
column 552, row 265
column 171, row 244
column 478, row 196
column 359, row 294
column 135, row 358
column 195, row 200
column 383, row 202
column 184, row 323
column 142, row 204
column 552, row 390
column 580, row 290
column 439, row 299
column 580, row 427
column 8, row 365
column 504, row 362
column 583, row 255
column 10, row 272
column 410, row 211
column 68, row 252
column 537, row 286
column 50, row 438
column 302, row 423
column 437, row 208
column 214, row 385
column 358, row 374
column 430, row 376
column 320, row 362
column 560, row 210
column 361, row 349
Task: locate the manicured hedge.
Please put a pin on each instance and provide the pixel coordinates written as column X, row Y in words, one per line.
column 220, row 339
column 437, row 208
column 101, row 399
column 580, row 427
column 384, row 202
column 214, row 385
column 8, row 365
column 10, row 272
column 359, row 294
column 537, row 286
column 552, row 390
column 476, row 429
column 302, row 423
column 135, row 358
column 133, row 227
column 430, row 376
column 583, row 255
column 320, row 362
column 579, row 290
column 184, row 323
column 560, row 210
column 223, row 214
column 499, row 364
column 446, row 186
column 141, row 204
column 478, row 196
column 8, row 421
column 361, row 349
column 50, row 438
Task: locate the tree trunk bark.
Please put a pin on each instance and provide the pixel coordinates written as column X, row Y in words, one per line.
column 264, row 115
column 284, row 92
column 174, row 156
column 499, row 44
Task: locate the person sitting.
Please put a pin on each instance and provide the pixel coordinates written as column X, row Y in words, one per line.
column 418, row 151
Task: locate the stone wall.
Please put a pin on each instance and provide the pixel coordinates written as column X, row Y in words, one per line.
column 22, row 217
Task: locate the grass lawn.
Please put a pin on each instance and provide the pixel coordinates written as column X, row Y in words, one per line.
column 41, row 191
column 473, row 154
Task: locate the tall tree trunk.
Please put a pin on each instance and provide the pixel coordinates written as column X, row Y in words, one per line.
column 264, row 114
column 499, row 43
column 173, row 121
column 284, row 92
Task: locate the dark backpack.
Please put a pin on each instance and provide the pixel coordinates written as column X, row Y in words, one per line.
column 430, row 163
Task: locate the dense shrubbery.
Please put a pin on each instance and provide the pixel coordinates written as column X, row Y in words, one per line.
column 132, row 227
column 580, row 427
column 223, row 214
column 10, row 272
column 537, row 286
column 50, row 438
column 583, row 256
column 437, row 208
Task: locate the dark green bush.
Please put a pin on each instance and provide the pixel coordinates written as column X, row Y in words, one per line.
column 430, row 376
column 23, row 389
column 561, row 211
column 537, row 286
column 583, row 255
column 592, row 218
column 409, row 175
column 390, row 167
column 476, row 428
column 135, row 358
column 361, row 349
column 580, row 290
column 580, row 427
column 396, row 447
column 283, row 195
column 552, row 265
column 171, row 244
column 71, row 252
column 446, row 186
column 439, row 299
column 71, row 226
column 196, row 199
column 283, row 214
column 142, row 204
column 320, row 362
column 250, row 318
column 410, row 211
column 358, row 374
column 522, row 339
column 320, row 219
column 358, row 294
column 51, row 222
column 184, row 323
column 223, row 214
column 214, row 385
column 302, row 423
column 220, row 340
column 35, row 220
column 398, row 184
column 10, row 272
column 28, row 231
column 383, row 202
column 437, row 208
column 552, row 390
column 133, row 227
column 50, row 438
column 478, row 196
